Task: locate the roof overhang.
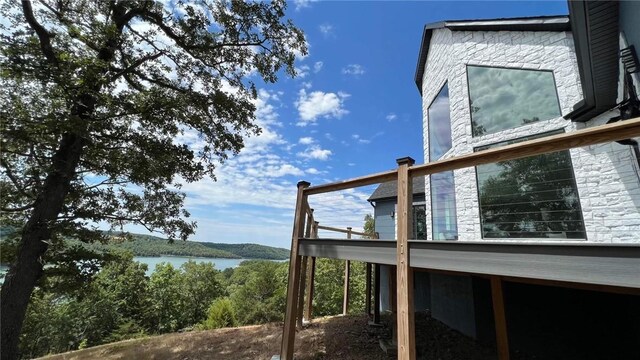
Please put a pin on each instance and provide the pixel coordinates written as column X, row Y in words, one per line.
column 540, row 23
column 595, row 28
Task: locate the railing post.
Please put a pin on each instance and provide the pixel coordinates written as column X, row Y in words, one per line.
column 289, row 332
column 311, row 272
column 347, row 273
column 367, row 290
column 303, row 272
column 404, row 273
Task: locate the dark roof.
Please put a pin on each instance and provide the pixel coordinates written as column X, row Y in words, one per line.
column 389, row 190
column 595, row 27
column 538, row 23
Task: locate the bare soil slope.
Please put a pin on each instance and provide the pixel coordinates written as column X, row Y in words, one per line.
column 338, row 338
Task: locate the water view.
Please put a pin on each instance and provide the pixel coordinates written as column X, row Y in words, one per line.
column 177, row 261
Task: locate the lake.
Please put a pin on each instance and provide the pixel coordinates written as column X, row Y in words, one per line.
column 176, row 261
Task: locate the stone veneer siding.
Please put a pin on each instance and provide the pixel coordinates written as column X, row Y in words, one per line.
column 606, row 175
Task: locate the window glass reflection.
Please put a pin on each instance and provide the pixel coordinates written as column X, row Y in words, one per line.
column 534, row 197
column 439, row 125
column 503, row 98
column 443, row 206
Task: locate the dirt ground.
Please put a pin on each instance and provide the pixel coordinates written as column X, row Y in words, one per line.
column 340, row 337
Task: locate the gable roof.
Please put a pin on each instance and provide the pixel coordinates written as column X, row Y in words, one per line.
column 538, row 23
column 389, row 190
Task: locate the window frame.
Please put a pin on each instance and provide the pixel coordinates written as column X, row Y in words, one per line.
column 455, row 203
column 574, row 183
column 555, row 87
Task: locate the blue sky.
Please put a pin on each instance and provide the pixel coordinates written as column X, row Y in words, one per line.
column 353, row 110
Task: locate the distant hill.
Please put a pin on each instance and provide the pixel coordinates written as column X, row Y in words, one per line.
column 251, row 251
column 147, row 245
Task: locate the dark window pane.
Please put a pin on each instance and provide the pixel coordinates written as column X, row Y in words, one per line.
column 443, row 206
column 439, row 125
column 534, row 197
column 502, row 98
column 419, row 222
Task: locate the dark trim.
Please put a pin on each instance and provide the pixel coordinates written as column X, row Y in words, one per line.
column 538, row 23
column 595, row 31
column 555, row 87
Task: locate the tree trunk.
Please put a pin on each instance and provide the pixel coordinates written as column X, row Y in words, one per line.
column 25, row 272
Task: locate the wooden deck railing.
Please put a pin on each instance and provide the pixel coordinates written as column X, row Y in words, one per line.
column 403, row 174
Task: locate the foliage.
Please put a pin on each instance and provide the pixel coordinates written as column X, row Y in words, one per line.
column 369, row 226
column 329, row 285
column 220, row 314
column 100, row 100
column 258, row 290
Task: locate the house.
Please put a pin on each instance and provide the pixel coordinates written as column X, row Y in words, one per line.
column 531, row 189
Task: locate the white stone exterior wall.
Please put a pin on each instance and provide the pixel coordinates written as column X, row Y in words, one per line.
column 606, row 175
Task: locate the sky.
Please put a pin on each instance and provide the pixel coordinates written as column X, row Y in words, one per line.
column 353, row 110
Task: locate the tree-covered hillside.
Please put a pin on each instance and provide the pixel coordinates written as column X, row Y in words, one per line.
column 147, row 245
column 251, row 251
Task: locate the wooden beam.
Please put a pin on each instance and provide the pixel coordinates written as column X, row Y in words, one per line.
column 590, row 136
column 346, row 231
column 303, row 272
column 393, row 297
column 406, row 321
column 347, row 275
column 352, row 183
column 289, row 331
column 500, row 318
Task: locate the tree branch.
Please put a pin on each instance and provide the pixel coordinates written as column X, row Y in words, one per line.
column 14, row 180
column 135, row 64
column 18, row 209
column 43, row 34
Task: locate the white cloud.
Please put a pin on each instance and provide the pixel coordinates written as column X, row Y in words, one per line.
column 313, row 171
column 391, row 117
column 320, row 104
column 353, row 69
column 315, row 152
column 326, row 29
column 301, row 4
column 307, row 84
column 317, row 66
column 306, row 140
column 275, row 171
column 360, row 140
column 302, row 71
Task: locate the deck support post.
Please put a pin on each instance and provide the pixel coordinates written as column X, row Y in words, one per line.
column 376, row 294
column 289, row 332
column 311, row 274
column 367, row 290
column 404, row 273
column 500, row 318
column 303, row 272
column 347, row 275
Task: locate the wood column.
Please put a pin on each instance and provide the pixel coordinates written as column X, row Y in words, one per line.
column 303, row 272
column 376, row 294
column 311, row 274
column 347, row 274
column 289, row 332
column 404, row 273
column 367, row 290
column 500, row 318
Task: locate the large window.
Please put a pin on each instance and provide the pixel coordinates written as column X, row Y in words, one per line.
column 443, row 201
column 439, row 125
column 534, row 197
column 443, row 206
column 503, row 98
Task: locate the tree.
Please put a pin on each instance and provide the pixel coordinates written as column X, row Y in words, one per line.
column 99, row 100
column 220, row 314
column 369, row 227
